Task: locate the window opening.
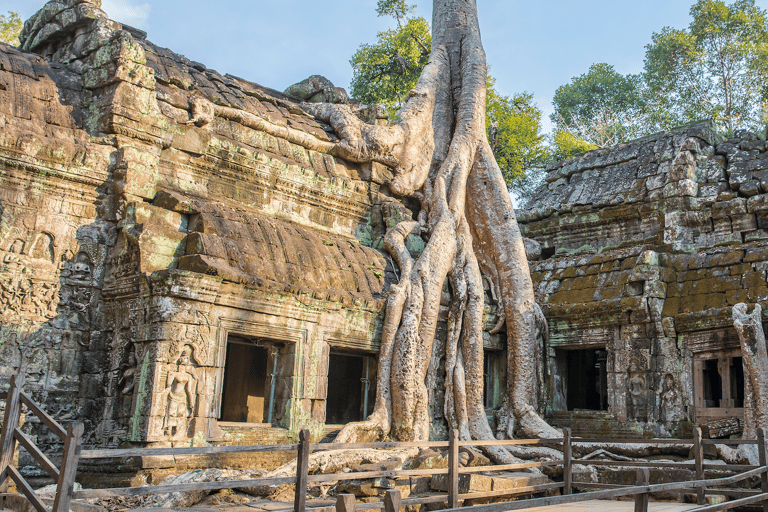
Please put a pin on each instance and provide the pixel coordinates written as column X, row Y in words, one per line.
column 249, row 382
column 351, row 388
column 713, row 383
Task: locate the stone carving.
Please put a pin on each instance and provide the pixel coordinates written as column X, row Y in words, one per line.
column 179, row 396
column 43, row 247
column 23, row 294
column 668, row 407
column 637, row 392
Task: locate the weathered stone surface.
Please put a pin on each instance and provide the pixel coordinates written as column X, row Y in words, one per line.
column 645, row 286
column 144, row 228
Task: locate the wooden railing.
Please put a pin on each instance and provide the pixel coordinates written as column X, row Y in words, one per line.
column 11, row 434
column 65, row 476
column 302, row 478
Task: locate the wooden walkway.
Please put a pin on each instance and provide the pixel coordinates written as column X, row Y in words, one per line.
column 614, row 506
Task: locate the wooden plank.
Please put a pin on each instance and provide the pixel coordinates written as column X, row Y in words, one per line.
column 453, row 468
column 33, row 498
column 641, row 500
column 39, row 456
column 733, row 504
column 362, row 475
column 762, row 461
column 590, row 485
column 732, row 467
column 382, row 446
column 345, row 503
column 37, row 411
column 167, row 489
column 200, row 450
column 739, row 493
column 597, row 440
column 508, row 467
column 66, row 483
column 728, row 441
column 511, row 492
column 698, row 455
column 302, row 471
column 567, row 462
column 612, row 493
column 392, row 500
column 10, row 422
column 511, row 442
column 635, row 463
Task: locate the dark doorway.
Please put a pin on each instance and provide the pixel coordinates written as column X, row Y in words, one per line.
column 737, row 381
column 713, row 383
column 587, row 380
column 245, row 394
column 351, row 388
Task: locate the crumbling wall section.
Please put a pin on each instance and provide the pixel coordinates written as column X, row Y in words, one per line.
column 646, row 248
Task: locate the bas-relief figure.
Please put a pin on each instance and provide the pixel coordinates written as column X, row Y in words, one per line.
column 637, row 392
column 179, row 396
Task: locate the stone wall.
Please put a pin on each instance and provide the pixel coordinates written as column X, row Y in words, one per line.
column 150, row 209
column 155, row 213
column 645, row 249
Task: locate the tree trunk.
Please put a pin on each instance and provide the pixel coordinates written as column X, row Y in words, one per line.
column 441, row 156
column 754, row 356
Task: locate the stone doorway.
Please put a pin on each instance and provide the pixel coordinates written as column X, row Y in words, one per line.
column 247, row 395
column 584, row 373
column 351, row 388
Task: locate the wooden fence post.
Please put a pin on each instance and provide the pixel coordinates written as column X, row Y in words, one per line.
column 10, row 422
column 641, row 500
column 392, row 501
column 345, row 503
column 567, row 462
column 762, row 459
column 302, row 471
column 453, row 469
column 65, row 485
column 698, row 455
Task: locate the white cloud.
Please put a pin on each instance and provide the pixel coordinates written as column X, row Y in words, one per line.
column 128, row 12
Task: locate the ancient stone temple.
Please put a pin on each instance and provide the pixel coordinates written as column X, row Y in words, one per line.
column 184, row 261
column 645, row 249
column 182, row 258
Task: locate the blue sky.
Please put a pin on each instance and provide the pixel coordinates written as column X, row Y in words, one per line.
column 532, row 45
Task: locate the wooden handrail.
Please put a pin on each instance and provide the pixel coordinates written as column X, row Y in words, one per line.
column 197, row 450
column 613, row 493
column 165, row 489
column 50, row 422
column 27, row 490
column 36, row 454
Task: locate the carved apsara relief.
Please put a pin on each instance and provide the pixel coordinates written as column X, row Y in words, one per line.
column 179, row 395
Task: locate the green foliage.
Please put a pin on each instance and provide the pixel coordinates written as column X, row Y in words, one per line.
column 565, row 144
column 385, row 71
column 10, row 28
column 717, row 68
column 601, row 107
column 514, row 124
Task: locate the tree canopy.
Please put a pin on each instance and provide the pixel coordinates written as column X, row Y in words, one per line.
column 385, row 71
column 601, row 107
column 715, row 69
column 10, row 28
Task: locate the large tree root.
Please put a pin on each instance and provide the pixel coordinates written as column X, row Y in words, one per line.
column 441, row 157
column 755, row 360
